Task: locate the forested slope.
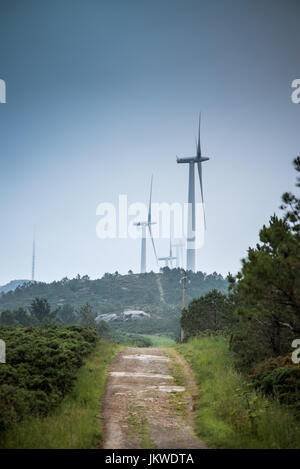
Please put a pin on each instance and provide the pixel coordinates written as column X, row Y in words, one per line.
column 114, row 292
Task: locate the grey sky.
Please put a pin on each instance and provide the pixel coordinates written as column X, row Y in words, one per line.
column 101, row 94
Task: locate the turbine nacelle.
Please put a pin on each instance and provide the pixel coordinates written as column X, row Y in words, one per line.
column 166, row 258
column 192, row 159
column 144, row 223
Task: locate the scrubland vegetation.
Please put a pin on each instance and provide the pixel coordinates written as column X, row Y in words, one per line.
column 40, row 369
column 229, row 412
column 77, row 421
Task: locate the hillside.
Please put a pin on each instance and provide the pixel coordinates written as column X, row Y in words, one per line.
column 114, row 292
column 12, row 285
column 159, row 295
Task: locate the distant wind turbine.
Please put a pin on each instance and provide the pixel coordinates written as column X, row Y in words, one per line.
column 143, row 225
column 198, row 159
column 168, row 259
column 179, row 253
column 33, row 257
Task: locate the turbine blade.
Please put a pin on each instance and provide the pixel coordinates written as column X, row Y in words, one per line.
column 199, row 164
column 204, row 217
column 152, row 240
column 200, row 179
column 149, row 210
column 199, row 144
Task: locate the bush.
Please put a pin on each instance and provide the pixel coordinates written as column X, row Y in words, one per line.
column 279, row 378
column 211, row 312
column 41, row 365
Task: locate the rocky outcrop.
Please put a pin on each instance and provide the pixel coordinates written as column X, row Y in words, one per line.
column 127, row 315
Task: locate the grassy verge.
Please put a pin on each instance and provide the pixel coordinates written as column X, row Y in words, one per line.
column 229, row 414
column 77, row 422
column 159, row 341
column 180, row 379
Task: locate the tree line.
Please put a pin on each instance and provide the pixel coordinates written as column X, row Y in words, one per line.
column 40, row 313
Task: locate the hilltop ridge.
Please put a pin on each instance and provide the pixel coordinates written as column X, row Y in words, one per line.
column 12, row 285
column 115, row 292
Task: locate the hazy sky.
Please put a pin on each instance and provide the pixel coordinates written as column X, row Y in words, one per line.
column 101, row 94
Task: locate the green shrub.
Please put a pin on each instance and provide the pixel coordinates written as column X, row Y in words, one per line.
column 280, row 378
column 40, row 369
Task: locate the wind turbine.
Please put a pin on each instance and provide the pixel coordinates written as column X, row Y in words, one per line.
column 198, row 159
column 179, row 253
column 168, row 259
column 33, row 257
column 143, row 225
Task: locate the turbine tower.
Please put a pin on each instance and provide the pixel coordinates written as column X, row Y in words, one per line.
column 191, row 235
column 33, row 257
column 179, row 253
column 143, row 225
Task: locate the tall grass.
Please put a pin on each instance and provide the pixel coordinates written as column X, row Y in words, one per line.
column 77, row 422
column 229, row 414
column 159, row 341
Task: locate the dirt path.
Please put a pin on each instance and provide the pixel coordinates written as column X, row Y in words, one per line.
column 160, row 288
column 148, row 401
